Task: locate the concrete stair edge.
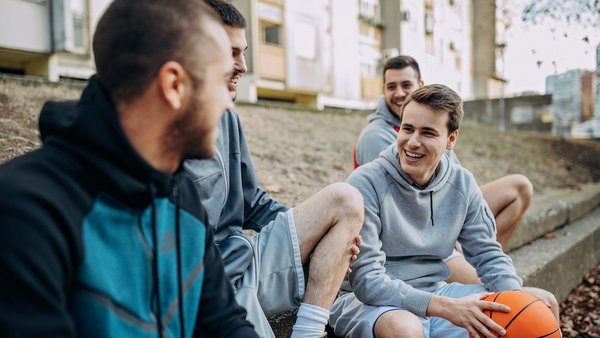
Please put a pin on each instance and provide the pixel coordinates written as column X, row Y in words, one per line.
column 557, row 262
column 554, row 210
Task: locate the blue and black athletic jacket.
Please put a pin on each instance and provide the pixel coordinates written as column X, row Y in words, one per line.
column 94, row 242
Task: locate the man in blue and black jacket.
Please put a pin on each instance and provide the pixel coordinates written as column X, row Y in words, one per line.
column 97, row 237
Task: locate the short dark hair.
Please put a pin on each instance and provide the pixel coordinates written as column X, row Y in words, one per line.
column 440, row 98
column 135, row 38
column 229, row 15
column 401, row 62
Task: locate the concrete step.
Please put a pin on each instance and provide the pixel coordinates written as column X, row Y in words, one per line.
column 558, row 261
column 552, row 210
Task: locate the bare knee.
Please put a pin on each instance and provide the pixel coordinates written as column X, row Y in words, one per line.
column 398, row 324
column 523, row 187
column 347, row 202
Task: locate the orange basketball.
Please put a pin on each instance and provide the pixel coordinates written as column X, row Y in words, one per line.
column 528, row 317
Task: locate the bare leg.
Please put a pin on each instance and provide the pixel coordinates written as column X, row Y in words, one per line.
column 327, row 224
column 462, row 271
column 508, row 197
column 398, row 323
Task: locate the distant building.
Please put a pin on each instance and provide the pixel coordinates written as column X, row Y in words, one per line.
column 598, row 83
column 573, row 98
column 50, row 38
column 314, row 52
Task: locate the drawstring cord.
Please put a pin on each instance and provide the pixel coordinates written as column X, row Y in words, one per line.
column 179, row 267
column 156, row 289
column 431, row 207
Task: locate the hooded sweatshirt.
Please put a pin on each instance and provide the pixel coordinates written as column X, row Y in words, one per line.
column 228, row 189
column 381, row 131
column 408, row 231
column 95, row 242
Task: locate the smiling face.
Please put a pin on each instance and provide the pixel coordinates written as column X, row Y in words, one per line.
column 239, row 45
column 397, row 85
column 422, row 140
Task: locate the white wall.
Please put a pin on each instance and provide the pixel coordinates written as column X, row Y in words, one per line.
column 305, row 28
column 25, row 25
column 344, row 47
column 452, row 25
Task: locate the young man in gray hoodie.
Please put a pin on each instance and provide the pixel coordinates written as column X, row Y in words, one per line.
column 418, row 204
column 508, row 196
column 300, row 255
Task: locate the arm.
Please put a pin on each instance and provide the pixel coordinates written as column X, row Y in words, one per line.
column 369, row 280
column 478, row 240
column 219, row 314
column 259, row 207
column 37, row 260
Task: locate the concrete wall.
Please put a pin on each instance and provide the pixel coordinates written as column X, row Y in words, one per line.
column 25, row 25
column 531, row 113
column 484, row 46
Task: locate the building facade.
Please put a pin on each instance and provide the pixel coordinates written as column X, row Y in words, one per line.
column 573, row 99
column 314, row 52
column 48, row 38
column 330, row 52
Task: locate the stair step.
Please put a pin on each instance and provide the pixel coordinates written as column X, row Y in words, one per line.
column 558, row 261
column 553, row 210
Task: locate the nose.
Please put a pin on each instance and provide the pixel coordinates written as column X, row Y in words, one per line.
column 414, row 141
column 240, row 64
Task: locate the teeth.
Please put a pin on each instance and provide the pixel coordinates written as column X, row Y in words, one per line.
column 413, row 155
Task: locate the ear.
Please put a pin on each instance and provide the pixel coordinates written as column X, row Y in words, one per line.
column 421, row 83
column 173, row 84
column 452, row 140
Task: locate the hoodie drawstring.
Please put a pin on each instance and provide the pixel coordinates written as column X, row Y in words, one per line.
column 179, row 272
column 156, row 288
column 431, row 207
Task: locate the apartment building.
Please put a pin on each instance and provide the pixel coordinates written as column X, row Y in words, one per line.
column 573, row 99
column 314, row 52
column 331, row 52
column 48, row 38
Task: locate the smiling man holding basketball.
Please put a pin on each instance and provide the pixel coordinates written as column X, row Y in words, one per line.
column 418, row 203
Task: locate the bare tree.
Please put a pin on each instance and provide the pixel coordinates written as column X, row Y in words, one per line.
column 576, row 12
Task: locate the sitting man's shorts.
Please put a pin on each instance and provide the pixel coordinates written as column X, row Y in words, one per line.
column 351, row 318
column 274, row 282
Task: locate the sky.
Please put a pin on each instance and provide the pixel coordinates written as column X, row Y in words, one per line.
column 548, row 42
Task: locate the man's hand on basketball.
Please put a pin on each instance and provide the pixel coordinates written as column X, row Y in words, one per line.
column 467, row 312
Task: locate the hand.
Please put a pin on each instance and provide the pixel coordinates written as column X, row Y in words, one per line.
column 467, row 312
column 355, row 250
column 546, row 297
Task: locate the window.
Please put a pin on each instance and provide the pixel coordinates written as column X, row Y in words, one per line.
column 79, row 23
column 271, row 33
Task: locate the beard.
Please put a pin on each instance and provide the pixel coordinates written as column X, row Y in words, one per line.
column 195, row 139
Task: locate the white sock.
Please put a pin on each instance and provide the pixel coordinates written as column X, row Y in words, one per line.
column 310, row 321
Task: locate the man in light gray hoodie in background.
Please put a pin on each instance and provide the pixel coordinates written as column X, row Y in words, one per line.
column 418, row 203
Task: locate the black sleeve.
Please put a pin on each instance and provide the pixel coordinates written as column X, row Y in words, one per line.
column 38, row 252
column 219, row 314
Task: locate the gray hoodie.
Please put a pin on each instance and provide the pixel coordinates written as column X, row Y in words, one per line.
column 229, row 191
column 378, row 134
column 408, row 232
